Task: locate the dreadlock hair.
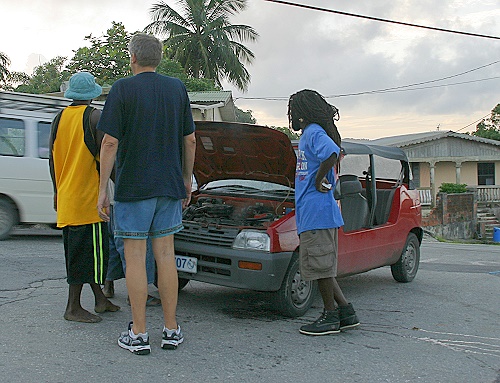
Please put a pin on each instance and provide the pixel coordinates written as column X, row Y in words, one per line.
column 308, row 106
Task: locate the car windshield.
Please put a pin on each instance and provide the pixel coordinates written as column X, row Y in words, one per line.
column 385, row 168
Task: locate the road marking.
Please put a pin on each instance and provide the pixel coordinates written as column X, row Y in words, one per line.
column 468, row 343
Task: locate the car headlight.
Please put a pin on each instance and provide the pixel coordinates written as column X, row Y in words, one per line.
column 252, row 240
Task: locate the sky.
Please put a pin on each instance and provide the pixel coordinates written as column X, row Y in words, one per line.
column 344, row 58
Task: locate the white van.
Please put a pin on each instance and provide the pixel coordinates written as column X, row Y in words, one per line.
column 26, row 193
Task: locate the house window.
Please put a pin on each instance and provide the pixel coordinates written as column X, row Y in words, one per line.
column 485, row 173
column 415, row 171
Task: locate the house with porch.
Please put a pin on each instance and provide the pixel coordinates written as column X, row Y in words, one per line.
column 448, row 157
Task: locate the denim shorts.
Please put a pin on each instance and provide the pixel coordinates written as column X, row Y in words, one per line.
column 153, row 217
column 318, row 254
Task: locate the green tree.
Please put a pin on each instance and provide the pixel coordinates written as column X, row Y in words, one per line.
column 244, row 116
column 107, row 57
column 173, row 68
column 4, row 69
column 14, row 79
column 490, row 127
column 291, row 134
column 46, row 78
column 203, row 40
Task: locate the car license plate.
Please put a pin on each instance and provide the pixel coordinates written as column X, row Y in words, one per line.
column 186, row 264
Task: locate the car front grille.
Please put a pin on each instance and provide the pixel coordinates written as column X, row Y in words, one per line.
column 207, row 264
column 195, row 233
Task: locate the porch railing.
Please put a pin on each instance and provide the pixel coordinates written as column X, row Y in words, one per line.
column 485, row 194
column 425, row 196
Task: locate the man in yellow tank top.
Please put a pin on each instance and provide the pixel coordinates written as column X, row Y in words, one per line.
column 74, row 168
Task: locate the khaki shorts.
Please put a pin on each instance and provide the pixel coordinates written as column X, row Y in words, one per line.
column 318, row 254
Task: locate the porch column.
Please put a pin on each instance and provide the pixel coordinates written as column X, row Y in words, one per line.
column 458, row 167
column 432, row 165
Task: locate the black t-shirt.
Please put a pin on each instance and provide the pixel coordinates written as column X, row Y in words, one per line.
column 149, row 114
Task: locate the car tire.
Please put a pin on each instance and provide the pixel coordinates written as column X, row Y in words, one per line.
column 405, row 269
column 182, row 281
column 295, row 296
column 8, row 218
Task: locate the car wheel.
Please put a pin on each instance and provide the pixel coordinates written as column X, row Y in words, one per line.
column 8, row 218
column 405, row 269
column 182, row 281
column 295, row 295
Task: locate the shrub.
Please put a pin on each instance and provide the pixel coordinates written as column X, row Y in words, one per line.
column 453, row 188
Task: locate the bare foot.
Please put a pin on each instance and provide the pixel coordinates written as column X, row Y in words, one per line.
column 109, row 289
column 82, row 315
column 106, row 306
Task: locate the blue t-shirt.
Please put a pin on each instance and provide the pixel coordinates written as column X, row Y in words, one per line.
column 149, row 114
column 313, row 209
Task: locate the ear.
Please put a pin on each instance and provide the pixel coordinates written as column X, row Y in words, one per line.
column 133, row 58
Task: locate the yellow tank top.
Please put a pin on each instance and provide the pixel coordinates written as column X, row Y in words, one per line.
column 76, row 176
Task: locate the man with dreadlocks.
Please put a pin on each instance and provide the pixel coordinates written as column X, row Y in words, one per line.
column 317, row 213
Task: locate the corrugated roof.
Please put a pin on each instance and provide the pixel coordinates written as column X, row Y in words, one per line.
column 419, row 138
column 209, row 97
column 35, row 103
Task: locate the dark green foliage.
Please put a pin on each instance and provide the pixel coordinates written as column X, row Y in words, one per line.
column 242, row 116
column 203, row 40
column 46, row 78
column 452, row 188
column 290, row 133
column 173, row 68
column 490, row 127
column 107, row 58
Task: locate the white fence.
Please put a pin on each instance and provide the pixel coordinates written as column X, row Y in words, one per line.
column 484, row 194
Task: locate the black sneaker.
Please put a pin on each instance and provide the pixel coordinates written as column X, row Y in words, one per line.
column 327, row 323
column 347, row 316
column 172, row 340
column 139, row 345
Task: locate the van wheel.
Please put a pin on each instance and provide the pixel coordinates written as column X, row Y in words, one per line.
column 405, row 269
column 8, row 218
column 295, row 295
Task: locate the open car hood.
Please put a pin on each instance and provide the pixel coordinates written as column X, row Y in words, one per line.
column 228, row 150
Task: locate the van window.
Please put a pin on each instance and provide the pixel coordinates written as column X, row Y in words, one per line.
column 43, row 139
column 12, row 137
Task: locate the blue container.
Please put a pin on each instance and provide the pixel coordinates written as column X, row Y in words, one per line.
column 496, row 234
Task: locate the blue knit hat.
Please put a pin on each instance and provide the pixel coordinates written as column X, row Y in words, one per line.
column 82, row 86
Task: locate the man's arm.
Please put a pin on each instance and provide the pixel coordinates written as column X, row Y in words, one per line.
column 323, row 170
column 109, row 148
column 53, row 132
column 188, row 154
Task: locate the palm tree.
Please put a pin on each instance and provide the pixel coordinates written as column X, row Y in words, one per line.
column 201, row 38
column 4, row 71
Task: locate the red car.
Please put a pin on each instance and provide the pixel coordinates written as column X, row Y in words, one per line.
column 240, row 228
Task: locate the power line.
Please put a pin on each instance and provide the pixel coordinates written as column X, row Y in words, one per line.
column 386, row 90
column 418, row 88
column 472, row 123
column 381, row 20
column 430, row 81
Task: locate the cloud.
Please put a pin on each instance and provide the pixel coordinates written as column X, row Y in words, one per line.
column 334, row 54
column 339, row 55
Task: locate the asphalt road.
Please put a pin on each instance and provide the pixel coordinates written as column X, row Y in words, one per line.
column 442, row 327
